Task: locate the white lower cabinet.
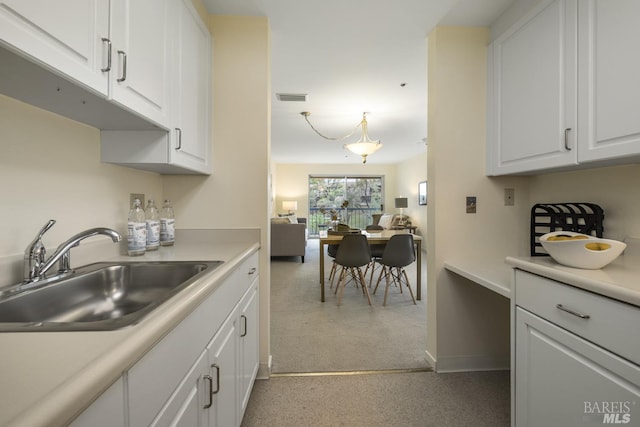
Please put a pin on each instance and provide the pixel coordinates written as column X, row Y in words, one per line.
column 201, row 373
column 222, row 369
column 249, row 355
column 186, row 406
column 107, row 411
column 576, row 359
column 233, row 358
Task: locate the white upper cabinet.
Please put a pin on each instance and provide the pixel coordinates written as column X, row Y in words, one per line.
column 609, row 105
column 140, row 37
column 67, row 36
column 139, row 70
column 532, row 91
column 186, row 148
column 192, row 90
column 563, row 88
column 117, row 49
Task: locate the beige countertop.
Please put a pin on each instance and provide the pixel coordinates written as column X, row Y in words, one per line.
column 47, row 378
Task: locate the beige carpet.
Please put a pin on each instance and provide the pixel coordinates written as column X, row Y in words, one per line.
column 423, row 399
column 309, row 336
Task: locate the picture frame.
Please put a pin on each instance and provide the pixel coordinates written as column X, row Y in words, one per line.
column 422, row 193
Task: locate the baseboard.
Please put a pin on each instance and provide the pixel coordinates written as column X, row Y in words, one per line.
column 469, row 363
column 264, row 370
column 430, row 360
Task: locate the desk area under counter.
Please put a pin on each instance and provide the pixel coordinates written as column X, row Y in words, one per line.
column 494, row 274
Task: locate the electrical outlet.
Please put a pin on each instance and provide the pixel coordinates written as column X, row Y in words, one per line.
column 509, row 196
column 134, row 196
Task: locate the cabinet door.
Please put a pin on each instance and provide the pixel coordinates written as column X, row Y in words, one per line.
column 65, row 36
column 141, row 47
column 187, row 406
column 563, row 380
column 248, row 348
column 532, row 92
column 223, row 371
column 190, row 146
column 609, row 93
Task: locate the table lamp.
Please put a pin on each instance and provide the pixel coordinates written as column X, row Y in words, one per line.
column 401, row 203
column 290, row 205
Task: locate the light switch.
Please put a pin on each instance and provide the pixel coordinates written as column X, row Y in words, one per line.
column 471, row 204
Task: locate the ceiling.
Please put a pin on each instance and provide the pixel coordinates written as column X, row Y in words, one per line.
column 350, row 57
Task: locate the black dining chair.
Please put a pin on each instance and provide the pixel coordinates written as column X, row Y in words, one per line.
column 398, row 254
column 353, row 254
column 332, row 250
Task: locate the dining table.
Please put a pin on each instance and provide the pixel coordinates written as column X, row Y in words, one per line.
column 376, row 237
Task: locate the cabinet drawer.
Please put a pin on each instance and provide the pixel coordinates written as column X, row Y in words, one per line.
column 610, row 324
column 249, row 269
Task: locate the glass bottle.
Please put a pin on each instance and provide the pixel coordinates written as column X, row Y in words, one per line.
column 136, row 230
column 167, row 224
column 153, row 226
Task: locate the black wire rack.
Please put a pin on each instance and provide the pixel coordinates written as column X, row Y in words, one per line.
column 580, row 217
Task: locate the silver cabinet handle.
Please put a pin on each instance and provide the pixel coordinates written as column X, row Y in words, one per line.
column 123, row 54
column 108, row 67
column 209, row 379
column 573, row 312
column 179, row 132
column 244, row 322
column 217, row 368
column 566, row 139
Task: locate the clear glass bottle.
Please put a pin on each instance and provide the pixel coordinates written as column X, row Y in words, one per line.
column 136, row 230
column 167, row 224
column 152, row 216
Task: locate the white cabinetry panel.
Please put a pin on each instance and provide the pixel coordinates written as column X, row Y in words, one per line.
column 533, row 91
column 186, row 148
column 560, row 376
column 65, row 36
column 248, row 345
column 609, row 105
column 222, row 360
column 107, row 411
column 191, row 98
column 563, row 88
column 141, row 49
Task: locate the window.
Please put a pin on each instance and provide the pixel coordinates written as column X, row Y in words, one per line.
column 349, row 199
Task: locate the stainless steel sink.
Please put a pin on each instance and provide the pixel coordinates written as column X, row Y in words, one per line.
column 101, row 296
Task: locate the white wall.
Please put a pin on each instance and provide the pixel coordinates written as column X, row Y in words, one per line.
column 50, row 169
column 615, row 189
column 408, row 175
column 467, row 325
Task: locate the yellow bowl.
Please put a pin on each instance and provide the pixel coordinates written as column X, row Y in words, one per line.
column 581, row 250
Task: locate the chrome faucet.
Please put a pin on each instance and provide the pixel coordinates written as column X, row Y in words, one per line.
column 35, row 265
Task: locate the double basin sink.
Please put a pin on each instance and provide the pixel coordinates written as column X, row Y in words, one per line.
column 100, row 296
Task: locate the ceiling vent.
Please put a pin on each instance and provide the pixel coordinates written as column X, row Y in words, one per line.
column 292, row 97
